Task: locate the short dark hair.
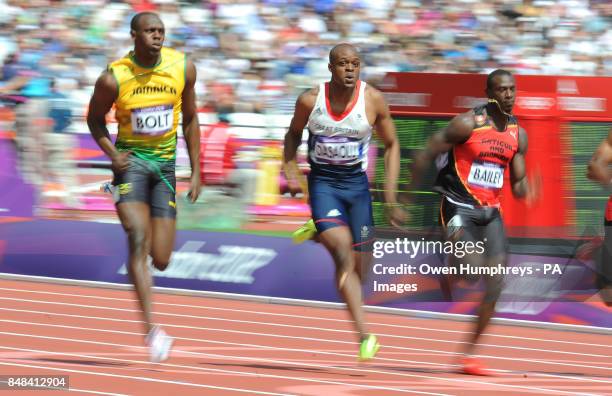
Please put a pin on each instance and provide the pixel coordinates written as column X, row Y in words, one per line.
column 334, row 51
column 495, row 73
column 134, row 23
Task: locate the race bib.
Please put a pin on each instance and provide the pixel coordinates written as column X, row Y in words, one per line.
column 486, row 175
column 155, row 120
column 337, row 151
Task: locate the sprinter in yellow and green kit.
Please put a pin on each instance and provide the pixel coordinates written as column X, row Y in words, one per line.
column 150, row 87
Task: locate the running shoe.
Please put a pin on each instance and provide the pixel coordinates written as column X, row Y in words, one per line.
column 305, row 232
column 159, row 344
column 368, row 348
column 473, row 366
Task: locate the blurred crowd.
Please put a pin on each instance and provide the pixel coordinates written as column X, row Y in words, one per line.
column 257, row 55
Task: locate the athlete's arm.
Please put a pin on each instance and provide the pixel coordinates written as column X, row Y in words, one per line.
column 191, row 128
column 293, row 137
column 598, row 166
column 521, row 187
column 458, row 131
column 104, row 95
column 385, row 129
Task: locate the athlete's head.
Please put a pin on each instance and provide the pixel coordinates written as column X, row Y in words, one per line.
column 344, row 64
column 501, row 89
column 148, row 33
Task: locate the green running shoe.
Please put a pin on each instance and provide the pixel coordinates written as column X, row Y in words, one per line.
column 368, row 348
column 305, row 232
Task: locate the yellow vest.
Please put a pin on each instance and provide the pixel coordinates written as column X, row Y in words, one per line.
column 148, row 104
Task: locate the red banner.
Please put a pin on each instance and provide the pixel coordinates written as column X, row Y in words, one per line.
column 574, row 98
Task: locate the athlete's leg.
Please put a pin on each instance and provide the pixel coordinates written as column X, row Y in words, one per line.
column 358, row 201
column 493, row 285
column 163, row 214
column 495, row 254
column 363, row 263
column 339, row 242
column 162, row 241
column 163, row 233
column 460, row 225
column 131, row 194
column 329, row 201
column 156, row 185
column 135, row 218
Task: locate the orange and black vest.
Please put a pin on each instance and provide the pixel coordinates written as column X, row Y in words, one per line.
column 473, row 172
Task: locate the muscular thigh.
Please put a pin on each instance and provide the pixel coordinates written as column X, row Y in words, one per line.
column 163, row 212
column 136, row 221
column 163, row 237
column 343, row 202
column 494, row 235
column 361, row 220
column 460, row 226
column 163, row 196
column 338, row 242
column 327, row 208
column 132, row 185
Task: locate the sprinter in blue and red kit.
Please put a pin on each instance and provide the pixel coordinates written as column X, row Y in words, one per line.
column 340, row 116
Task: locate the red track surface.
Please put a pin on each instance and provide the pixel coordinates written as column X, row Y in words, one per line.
column 232, row 347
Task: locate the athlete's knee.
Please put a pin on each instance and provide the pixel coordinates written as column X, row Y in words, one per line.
column 344, row 262
column 161, row 264
column 137, row 238
column 342, row 254
column 161, row 252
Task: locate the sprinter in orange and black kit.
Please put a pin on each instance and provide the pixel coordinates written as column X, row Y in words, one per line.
column 472, row 153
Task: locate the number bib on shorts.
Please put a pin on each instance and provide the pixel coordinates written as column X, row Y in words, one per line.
column 155, row 120
column 336, row 150
column 486, row 175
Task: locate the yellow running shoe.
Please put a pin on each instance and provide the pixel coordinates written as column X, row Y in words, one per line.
column 305, row 232
column 368, row 348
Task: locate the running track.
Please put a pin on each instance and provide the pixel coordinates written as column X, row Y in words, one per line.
column 231, row 347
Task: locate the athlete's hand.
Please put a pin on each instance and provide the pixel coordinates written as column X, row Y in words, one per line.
column 396, row 215
column 194, row 188
column 294, row 183
column 534, row 188
column 294, row 187
column 120, row 161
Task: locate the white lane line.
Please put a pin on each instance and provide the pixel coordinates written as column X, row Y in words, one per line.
column 381, row 360
column 223, row 371
column 145, row 379
column 308, row 351
column 95, row 392
column 212, row 318
column 285, row 362
column 250, row 298
column 435, row 351
column 308, row 317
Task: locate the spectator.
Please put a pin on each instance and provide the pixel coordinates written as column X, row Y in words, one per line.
column 287, row 38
